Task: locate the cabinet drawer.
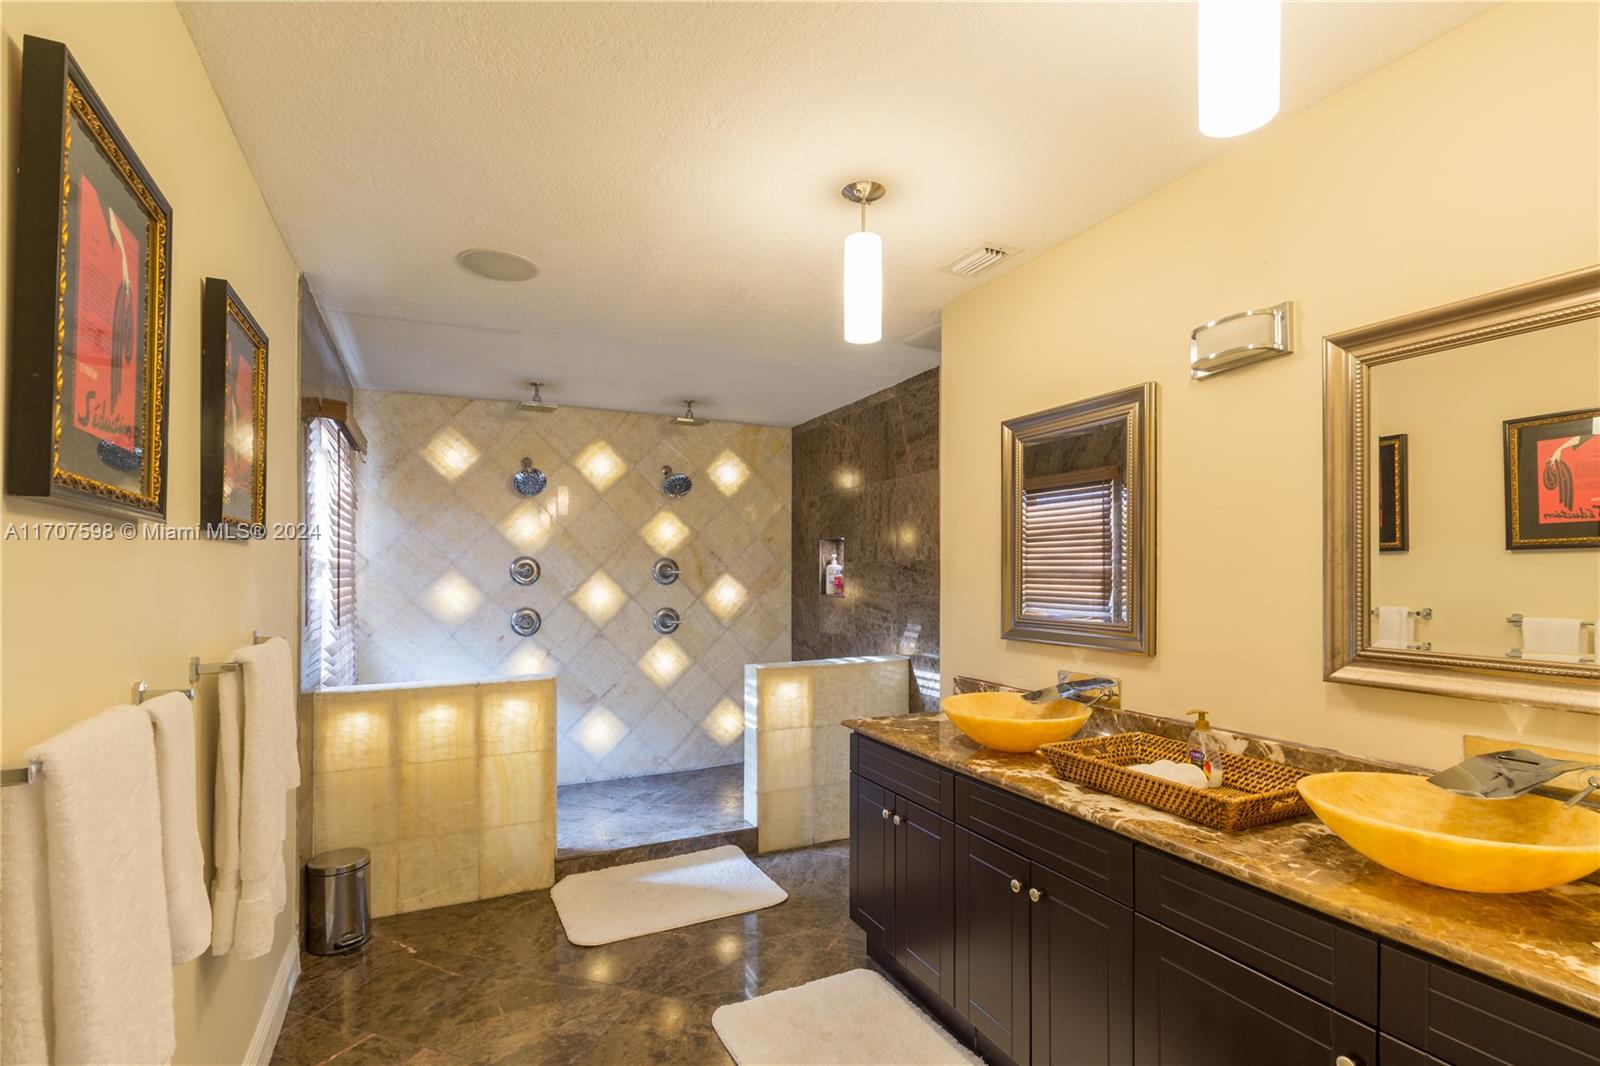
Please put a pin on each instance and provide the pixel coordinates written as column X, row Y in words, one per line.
column 1305, row 951
column 1470, row 1021
column 916, row 779
column 1088, row 855
column 1195, row 1007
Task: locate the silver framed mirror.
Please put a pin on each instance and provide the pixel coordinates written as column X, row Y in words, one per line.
column 1078, row 531
column 1425, row 586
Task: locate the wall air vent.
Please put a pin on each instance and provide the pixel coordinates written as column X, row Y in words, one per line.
column 979, row 259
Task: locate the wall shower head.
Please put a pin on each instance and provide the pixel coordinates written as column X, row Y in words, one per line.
column 688, row 418
column 674, row 486
column 538, row 404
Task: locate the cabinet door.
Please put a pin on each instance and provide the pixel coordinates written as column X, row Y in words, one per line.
column 924, row 892
column 1195, row 1007
column 1082, row 963
column 992, row 945
column 871, row 859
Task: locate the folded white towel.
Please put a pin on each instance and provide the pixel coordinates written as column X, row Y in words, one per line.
column 110, row 952
column 1552, row 638
column 188, row 909
column 1396, row 627
column 25, row 1034
column 1181, row 773
column 257, row 765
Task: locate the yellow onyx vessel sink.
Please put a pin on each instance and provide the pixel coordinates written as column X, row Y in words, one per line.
column 1006, row 722
column 1474, row 845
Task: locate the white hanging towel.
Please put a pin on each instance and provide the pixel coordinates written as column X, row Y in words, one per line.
column 109, row 956
column 1395, row 627
column 188, row 909
column 1556, row 639
column 257, row 766
column 25, row 1035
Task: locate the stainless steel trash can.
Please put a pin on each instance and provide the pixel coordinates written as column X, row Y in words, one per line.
column 337, row 918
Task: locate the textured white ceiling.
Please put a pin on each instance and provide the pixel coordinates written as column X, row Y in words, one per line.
column 674, row 170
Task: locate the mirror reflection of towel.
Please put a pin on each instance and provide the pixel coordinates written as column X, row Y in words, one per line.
column 1555, row 639
column 1394, row 627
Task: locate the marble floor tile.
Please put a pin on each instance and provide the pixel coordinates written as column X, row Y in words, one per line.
column 629, row 811
column 496, row 981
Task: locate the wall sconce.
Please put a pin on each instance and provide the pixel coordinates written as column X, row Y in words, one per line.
column 1237, row 340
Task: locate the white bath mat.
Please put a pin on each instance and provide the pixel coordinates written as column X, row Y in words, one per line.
column 602, row 906
column 850, row 1019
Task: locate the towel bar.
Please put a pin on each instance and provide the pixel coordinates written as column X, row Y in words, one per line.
column 20, row 775
column 1516, row 620
column 142, row 691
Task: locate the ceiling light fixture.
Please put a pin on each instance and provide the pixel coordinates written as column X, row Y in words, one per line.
column 538, row 404
column 863, row 271
column 1241, row 42
column 497, row 265
column 688, row 418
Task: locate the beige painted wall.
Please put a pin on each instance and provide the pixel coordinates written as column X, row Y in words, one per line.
column 81, row 622
column 1452, row 406
column 1465, row 167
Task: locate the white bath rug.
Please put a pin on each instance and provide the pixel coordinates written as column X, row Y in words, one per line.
column 603, row 906
column 850, row 1019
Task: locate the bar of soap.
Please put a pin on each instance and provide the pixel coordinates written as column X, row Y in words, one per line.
column 1181, row 773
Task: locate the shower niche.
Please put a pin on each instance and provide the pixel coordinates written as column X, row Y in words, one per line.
column 830, row 566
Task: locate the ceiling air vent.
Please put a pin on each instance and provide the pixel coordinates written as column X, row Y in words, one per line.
column 978, row 259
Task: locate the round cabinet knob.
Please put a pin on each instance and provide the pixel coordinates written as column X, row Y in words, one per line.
column 1035, row 895
column 1346, row 1060
column 885, row 813
column 897, row 819
column 1016, row 886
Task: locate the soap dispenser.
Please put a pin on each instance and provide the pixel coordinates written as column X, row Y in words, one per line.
column 1205, row 750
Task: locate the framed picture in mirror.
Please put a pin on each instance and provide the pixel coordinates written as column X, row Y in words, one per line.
column 1394, row 525
column 1553, row 480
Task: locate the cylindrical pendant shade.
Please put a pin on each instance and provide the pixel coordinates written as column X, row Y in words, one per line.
column 863, row 288
column 1240, row 45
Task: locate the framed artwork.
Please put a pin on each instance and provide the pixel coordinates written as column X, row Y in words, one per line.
column 233, row 415
column 1394, row 518
column 87, row 403
column 1553, row 480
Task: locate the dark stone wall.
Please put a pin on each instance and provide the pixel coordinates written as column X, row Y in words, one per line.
column 869, row 473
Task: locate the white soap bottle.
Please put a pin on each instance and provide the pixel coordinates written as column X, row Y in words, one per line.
column 1205, row 750
column 833, row 576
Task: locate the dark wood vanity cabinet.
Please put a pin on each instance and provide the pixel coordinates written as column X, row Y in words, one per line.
column 1042, row 940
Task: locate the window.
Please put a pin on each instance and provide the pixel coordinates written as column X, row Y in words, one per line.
column 1071, row 558
column 328, row 647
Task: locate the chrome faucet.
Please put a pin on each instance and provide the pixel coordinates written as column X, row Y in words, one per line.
column 1507, row 774
column 1068, row 688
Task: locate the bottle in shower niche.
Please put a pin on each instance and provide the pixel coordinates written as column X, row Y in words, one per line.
column 833, row 577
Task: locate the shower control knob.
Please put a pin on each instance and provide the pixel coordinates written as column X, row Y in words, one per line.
column 525, row 621
column 665, row 571
column 524, row 570
column 665, row 620
column 1016, row 886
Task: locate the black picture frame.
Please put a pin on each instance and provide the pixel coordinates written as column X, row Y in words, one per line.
column 233, row 412
column 86, row 421
column 1394, row 510
column 1552, row 489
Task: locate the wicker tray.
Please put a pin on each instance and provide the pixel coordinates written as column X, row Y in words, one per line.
column 1254, row 791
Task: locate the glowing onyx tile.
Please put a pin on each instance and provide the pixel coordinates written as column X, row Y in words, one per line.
column 528, row 659
column 664, row 662
column 786, row 704
column 528, row 526
column 726, row 597
column 600, row 465
column 452, row 598
column 725, row 723
column 728, row 473
column 598, row 732
column 664, row 532
column 450, row 453
column 599, row 598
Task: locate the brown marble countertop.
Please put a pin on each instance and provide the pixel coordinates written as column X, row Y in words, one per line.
column 1547, row 943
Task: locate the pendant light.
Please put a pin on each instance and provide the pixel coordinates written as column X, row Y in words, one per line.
column 863, row 271
column 1240, row 56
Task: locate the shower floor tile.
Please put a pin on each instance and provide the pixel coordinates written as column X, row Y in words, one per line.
column 607, row 815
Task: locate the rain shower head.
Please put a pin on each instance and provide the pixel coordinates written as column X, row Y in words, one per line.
column 688, row 418
column 538, row 404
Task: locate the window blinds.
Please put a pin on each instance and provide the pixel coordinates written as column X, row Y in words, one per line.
column 328, row 652
column 1069, row 550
